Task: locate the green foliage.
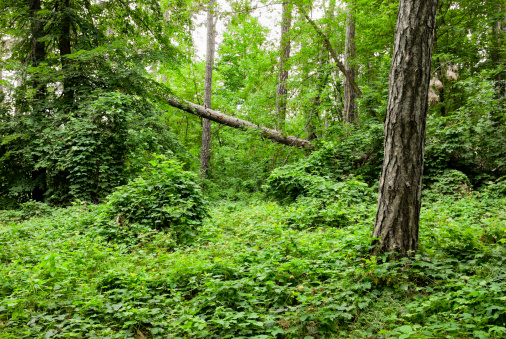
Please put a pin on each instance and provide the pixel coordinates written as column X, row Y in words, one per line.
column 496, row 189
column 471, row 140
column 357, row 152
column 103, row 143
column 82, row 119
column 451, row 183
column 250, row 273
column 27, row 210
column 164, row 198
column 331, row 204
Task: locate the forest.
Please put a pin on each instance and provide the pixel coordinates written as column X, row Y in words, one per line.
column 278, row 169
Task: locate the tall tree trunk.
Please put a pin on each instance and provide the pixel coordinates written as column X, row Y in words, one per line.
column 38, row 48
column 350, row 114
column 64, row 45
column 205, row 152
column 498, row 31
column 400, row 186
column 282, row 92
column 312, row 115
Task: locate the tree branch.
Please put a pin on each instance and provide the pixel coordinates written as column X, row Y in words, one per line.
column 332, row 51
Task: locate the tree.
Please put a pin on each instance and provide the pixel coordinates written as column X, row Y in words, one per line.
column 400, row 186
column 205, row 152
column 331, row 50
column 82, row 120
column 282, row 92
column 498, row 31
column 349, row 114
column 38, row 48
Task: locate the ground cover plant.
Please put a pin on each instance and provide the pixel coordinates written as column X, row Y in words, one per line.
column 251, row 274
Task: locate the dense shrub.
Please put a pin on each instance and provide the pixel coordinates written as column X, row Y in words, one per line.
column 26, row 211
column 164, row 197
column 105, row 142
column 450, row 183
column 471, row 139
column 353, row 153
column 496, row 188
column 330, row 204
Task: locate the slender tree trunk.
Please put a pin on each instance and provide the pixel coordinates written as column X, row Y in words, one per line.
column 498, row 31
column 38, row 48
column 64, row 45
column 205, row 152
column 313, row 114
column 282, row 92
column 400, row 186
column 350, row 114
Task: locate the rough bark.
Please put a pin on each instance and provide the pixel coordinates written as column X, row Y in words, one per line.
column 350, row 115
column 331, row 50
column 285, row 44
column 205, row 151
column 237, row 123
column 38, row 48
column 400, row 186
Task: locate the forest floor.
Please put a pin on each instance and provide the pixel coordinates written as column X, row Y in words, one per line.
column 251, row 274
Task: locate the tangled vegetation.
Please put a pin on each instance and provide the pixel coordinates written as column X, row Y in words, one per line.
column 250, row 273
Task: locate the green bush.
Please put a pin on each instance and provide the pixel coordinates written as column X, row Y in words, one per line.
column 357, row 154
column 164, row 197
column 497, row 188
column 103, row 144
column 331, row 204
column 287, row 183
column 469, row 139
column 451, row 183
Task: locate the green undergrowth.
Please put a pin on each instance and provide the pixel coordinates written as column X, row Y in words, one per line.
column 251, row 274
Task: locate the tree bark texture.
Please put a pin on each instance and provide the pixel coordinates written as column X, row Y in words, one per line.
column 285, row 44
column 205, row 151
column 38, row 48
column 400, row 186
column 237, row 123
column 350, row 114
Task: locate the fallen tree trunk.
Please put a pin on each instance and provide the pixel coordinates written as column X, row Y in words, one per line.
column 227, row 120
